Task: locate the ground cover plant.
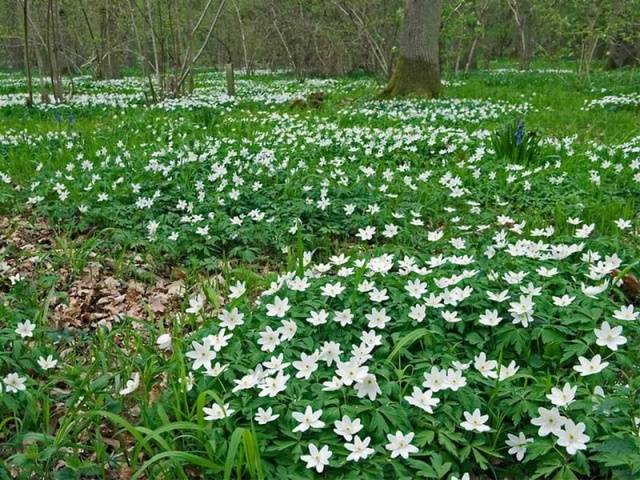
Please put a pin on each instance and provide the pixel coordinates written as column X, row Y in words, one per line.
column 258, row 286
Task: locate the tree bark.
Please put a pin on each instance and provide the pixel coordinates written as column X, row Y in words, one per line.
column 243, row 38
column 472, row 53
column 417, row 70
column 522, row 13
column 52, row 52
column 27, row 63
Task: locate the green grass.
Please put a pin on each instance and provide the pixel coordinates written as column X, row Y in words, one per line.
column 71, row 421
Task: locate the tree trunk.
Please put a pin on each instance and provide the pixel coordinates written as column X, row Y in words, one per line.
column 418, row 68
column 247, row 70
column 230, row 78
column 52, row 52
column 470, row 58
column 154, row 46
column 622, row 53
column 522, row 14
column 27, row 64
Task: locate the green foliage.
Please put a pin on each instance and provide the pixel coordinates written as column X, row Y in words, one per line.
column 516, row 145
column 422, row 166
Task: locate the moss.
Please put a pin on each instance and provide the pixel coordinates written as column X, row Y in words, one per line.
column 413, row 77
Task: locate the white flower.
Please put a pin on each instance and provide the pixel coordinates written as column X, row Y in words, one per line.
column 306, row 365
column 589, row 367
column 163, row 342
column 475, row 421
column 416, row 288
column 237, row 290
column 272, row 386
column 347, row 428
column 350, row 372
column 14, row 383
column 196, row 303
column 424, row 400
column 368, row 387
column 332, row 385
column 131, row 385
column 265, row 416
column 278, row 308
column 377, row 318
column 317, row 459
column 564, row 397
column 47, row 363
column 201, row 354
column 622, row 224
column 318, row 318
column 455, row 379
column 219, row 340
column 465, row 476
column 308, row 419
column 572, row 437
column 508, row 371
column 626, row 313
column 390, row 230
column 549, row 421
column 400, row 444
column 332, row 290
column 287, row 330
column 522, row 311
column 216, row 412
column 609, row 337
column 563, row 301
column 330, row 352
column 434, row 236
column 518, row 445
column 378, row 296
column 269, row 339
column 498, row 297
column 359, row 449
column 584, row 231
column 435, row 380
column 451, row 317
column 592, row 291
column 366, row 233
column 216, row 370
column 490, row 318
column 487, row 368
column 231, row 319
column 418, row 313
column 344, row 317
column 25, row 329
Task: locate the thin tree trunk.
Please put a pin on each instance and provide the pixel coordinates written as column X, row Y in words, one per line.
column 592, row 52
column 374, row 44
column 521, row 10
column 284, row 42
column 51, row 53
column 185, row 74
column 96, row 50
column 27, row 63
column 472, row 53
column 110, row 73
column 141, row 54
column 187, row 60
column 154, row 46
column 418, row 68
column 44, row 96
column 242, row 38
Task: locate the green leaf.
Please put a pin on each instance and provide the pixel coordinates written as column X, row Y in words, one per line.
column 407, row 340
column 183, row 458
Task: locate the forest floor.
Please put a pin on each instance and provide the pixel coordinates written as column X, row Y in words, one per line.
column 303, row 280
